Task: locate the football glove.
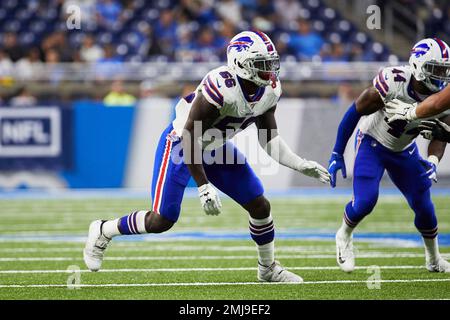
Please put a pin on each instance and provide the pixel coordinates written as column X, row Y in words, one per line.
column 430, row 170
column 335, row 164
column 399, row 110
column 209, row 198
column 435, row 129
column 314, row 170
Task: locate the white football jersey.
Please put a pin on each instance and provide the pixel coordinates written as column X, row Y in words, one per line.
column 393, row 83
column 222, row 89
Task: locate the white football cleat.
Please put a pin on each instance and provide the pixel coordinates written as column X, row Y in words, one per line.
column 441, row 266
column 95, row 246
column 276, row 273
column 344, row 252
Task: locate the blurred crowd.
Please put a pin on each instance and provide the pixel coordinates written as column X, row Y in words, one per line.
column 435, row 15
column 36, row 32
column 437, row 18
column 114, row 31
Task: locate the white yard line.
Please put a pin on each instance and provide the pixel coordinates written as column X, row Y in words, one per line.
column 24, row 229
column 302, row 251
column 194, row 269
column 196, row 284
column 205, row 257
column 279, row 213
column 151, row 247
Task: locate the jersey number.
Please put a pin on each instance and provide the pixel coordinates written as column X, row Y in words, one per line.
column 397, row 128
column 229, row 81
column 234, row 123
column 398, row 77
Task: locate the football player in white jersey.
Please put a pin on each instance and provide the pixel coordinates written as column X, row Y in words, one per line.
column 383, row 145
column 227, row 100
column 430, row 107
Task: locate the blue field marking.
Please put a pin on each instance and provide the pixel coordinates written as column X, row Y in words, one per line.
column 404, row 238
column 119, row 193
column 74, row 194
column 394, row 239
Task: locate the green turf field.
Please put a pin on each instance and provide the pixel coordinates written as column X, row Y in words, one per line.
column 41, row 239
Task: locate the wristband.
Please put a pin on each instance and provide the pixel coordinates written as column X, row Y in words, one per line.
column 411, row 115
column 433, row 159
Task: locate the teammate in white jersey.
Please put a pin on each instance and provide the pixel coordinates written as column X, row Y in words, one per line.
column 383, row 145
column 227, row 100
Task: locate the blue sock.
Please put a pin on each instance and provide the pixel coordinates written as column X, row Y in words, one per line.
column 351, row 218
column 262, row 231
column 133, row 223
column 425, row 218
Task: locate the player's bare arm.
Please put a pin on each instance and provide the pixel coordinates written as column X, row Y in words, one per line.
column 434, row 104
column 277, row 148
column 267, row 124
column 369, row 101
column 430, row 107
column 436, row 150
column 202, row 113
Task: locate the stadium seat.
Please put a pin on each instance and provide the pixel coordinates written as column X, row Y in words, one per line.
column 33, row 21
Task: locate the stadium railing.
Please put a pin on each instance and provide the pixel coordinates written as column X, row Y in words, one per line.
column 185, row 71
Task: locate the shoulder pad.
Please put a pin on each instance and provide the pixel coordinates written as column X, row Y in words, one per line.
column 211, row 91
column 389, row 82
column 219, row 86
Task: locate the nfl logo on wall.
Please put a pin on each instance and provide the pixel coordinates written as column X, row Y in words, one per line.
column 30, row 132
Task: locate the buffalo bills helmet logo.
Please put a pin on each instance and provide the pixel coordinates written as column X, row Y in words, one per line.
column 420, row 50
column 242, row 43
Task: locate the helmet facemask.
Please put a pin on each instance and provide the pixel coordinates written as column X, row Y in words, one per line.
column 437, row 75
column 263, row 69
